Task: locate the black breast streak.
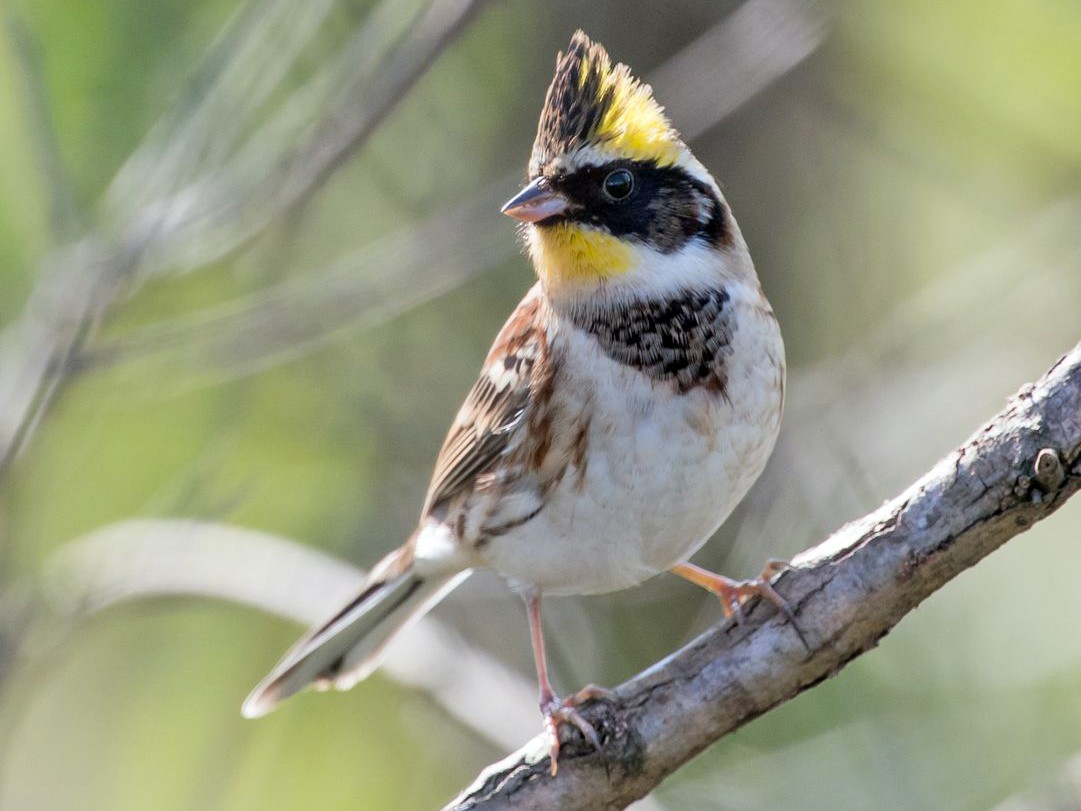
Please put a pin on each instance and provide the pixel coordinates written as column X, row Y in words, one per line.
column 684, row 340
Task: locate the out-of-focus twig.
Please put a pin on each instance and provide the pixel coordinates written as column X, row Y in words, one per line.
column 847, row 593
column 220, row 105
column 223, row 208
column 65, row 222
column 1061, row 793
column 150, row 559
column 735, row 60
column 39, row 352
column 287, row 320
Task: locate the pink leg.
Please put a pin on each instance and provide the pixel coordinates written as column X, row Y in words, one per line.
column 557, row 711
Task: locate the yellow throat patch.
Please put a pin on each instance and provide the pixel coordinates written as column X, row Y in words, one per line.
column 567, row 254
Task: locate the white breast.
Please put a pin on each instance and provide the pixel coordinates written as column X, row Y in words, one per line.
column 663, row 469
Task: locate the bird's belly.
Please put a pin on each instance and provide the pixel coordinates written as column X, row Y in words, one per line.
column 649, row 498
column 662, row 472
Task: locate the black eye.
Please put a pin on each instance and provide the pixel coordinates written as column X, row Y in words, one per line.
column 619, row 184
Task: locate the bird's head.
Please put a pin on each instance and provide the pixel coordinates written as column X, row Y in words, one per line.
column 615, row 197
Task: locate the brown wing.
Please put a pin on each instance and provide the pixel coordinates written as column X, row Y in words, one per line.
column 496, row 410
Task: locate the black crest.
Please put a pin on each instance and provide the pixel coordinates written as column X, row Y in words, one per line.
column 577, row 101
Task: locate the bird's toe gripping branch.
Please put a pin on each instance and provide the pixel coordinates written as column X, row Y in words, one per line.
column 734, row 593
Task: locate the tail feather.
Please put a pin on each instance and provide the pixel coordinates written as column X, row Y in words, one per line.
column 350, row 645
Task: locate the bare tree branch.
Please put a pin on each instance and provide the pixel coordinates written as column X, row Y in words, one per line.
column 847, row 592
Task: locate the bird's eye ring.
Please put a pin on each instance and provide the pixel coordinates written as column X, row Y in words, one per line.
column 619, row 184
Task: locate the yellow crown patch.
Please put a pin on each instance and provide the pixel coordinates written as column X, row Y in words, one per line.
column 593, row 103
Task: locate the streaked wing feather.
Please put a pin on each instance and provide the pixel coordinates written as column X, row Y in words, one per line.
column 496, row 408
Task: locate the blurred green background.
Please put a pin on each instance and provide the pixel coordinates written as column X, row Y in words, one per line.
column 251, row 258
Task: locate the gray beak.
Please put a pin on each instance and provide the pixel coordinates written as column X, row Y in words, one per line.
column 536, row 202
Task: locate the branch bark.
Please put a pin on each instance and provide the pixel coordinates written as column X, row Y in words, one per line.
column 847, row 593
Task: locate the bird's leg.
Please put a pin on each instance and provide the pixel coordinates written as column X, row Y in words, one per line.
column 557, row 711
column 733, row 593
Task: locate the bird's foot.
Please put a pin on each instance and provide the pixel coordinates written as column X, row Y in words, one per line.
column 734, row 593
column 564, row 711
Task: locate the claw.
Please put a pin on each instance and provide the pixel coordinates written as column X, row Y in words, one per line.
column 564, row 711
column 765, row 589
column 734, row 593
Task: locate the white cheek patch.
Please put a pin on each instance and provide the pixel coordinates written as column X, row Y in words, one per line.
column 662, row 275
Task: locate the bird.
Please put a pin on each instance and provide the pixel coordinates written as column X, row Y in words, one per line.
column 624, row 409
